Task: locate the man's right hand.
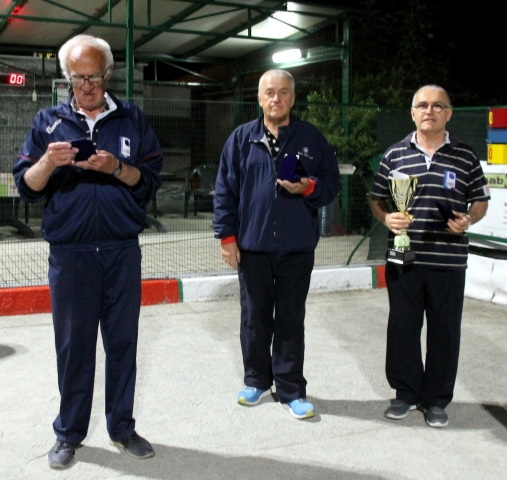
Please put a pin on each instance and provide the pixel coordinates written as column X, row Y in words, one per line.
column 58, row 154
column 230, row 254
column 396, row 222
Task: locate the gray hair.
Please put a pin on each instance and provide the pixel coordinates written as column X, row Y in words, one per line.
column 89, row 41
column 433, row 87
column 277, row 73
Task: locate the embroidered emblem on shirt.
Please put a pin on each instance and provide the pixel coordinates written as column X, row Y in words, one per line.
column 449, row 180
column 51, row 129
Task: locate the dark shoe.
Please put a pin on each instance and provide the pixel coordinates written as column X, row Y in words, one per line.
column 398, row 410
column 61, row 455
column 436, row 417
column 136, row 446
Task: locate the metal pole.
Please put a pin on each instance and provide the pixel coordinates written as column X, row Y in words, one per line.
column 346, row 77
column 238, row 120
column 129, row 57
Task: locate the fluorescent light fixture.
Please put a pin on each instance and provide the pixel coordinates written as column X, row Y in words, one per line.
column 287, row 56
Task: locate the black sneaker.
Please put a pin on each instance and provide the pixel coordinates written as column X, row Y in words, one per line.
column 436, row 417
column 136, row 446
column 398, row 410
column 61, row 455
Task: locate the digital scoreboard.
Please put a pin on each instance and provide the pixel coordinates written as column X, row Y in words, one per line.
column 12, row 79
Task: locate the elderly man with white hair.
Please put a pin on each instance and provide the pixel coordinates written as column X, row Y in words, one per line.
column 95, row 193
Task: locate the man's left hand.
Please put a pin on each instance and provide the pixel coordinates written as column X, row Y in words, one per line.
column 101, row 162
column 295, row 188
column 459, row 224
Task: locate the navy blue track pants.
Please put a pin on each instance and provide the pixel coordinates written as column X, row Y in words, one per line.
column 273, row 295
column 88, row 288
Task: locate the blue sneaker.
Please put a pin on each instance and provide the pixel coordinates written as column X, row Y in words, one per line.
column 300, row 408
column 252, row 395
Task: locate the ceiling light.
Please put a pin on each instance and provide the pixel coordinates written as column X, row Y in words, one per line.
column 287, row 56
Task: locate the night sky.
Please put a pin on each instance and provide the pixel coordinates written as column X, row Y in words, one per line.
column 474, row 38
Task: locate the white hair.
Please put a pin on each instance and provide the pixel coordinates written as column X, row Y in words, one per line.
column 89, row 41
column 277, row 73
column 433, row 87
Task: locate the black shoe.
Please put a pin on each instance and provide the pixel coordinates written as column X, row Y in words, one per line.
column 61, row 455
column 398, row 410
column 136, row 446
column 436, row 417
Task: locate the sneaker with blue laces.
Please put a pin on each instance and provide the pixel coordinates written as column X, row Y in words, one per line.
column 300, row 408
column 252, row 396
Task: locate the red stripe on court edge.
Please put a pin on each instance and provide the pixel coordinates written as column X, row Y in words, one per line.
column 381, row 276
column 154, row 292
column 28, row 300
column 24, row 300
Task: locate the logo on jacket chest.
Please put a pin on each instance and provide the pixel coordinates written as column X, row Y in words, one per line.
column 305, row 153
column 125, row 147
column 51, row 129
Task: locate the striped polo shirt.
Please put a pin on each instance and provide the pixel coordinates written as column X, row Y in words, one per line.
column 453, row 178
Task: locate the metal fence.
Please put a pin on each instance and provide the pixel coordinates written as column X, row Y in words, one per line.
column 192, row 133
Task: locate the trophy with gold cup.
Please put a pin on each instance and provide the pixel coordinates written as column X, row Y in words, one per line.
column 402, row 189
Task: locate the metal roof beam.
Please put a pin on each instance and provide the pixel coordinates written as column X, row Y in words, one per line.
column 97, row 23
column 234, row 32
column 15, row 4
column 265, row 9
column 176, row 19
column 106, row 8
column 72, row 10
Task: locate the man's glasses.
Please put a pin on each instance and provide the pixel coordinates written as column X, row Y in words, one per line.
column 94, row 80
column 436, row 107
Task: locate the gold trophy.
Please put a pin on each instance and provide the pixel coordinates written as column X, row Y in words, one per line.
column 402, row 190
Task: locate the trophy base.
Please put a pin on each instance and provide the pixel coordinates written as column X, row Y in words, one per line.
column 400, row 257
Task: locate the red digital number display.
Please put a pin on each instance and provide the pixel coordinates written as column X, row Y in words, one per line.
column 17, row 79
column 12, row 79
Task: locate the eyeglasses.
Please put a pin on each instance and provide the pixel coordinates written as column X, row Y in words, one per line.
column 94, row 80
column 436, row 107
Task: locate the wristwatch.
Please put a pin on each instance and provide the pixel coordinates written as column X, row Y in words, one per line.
column 117, row 170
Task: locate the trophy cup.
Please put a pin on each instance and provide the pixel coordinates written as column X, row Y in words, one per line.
column 402, row 191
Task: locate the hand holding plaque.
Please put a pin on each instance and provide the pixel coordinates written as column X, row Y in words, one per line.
column 402, row 190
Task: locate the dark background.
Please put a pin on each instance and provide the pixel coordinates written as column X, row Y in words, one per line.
column 459, row 47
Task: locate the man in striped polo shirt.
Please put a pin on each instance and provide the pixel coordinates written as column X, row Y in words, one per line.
column 449, row 174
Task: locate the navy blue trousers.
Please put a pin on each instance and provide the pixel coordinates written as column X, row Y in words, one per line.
column 273, row 296
column 414, row 290
column 89, row 288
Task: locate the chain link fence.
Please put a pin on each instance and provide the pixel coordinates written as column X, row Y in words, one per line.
column 178, row 239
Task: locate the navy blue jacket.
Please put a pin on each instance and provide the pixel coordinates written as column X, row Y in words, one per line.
column 85, row 209
column 248, row 204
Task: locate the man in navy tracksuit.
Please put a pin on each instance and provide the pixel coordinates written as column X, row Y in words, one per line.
column 94, row 210
column 269, row 231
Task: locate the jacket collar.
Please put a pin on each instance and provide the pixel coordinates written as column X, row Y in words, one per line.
column 65, row 110
column 257, row 133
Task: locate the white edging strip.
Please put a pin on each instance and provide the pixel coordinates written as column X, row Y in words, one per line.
column 323, row 280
